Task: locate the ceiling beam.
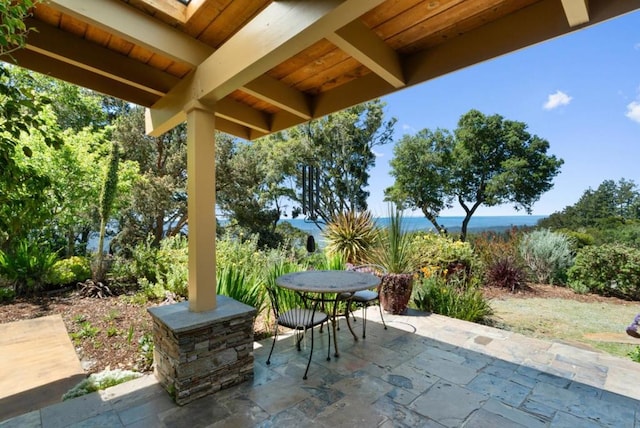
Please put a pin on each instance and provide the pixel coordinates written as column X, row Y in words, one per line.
column 577, row 11
column 357, row 40
column 136, row 27
column 57, row 44
column 280, row 31
column 242, row 114
column 280, row 95
column 80, row 76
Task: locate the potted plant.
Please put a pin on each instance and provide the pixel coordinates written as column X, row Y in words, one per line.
column 393, row 252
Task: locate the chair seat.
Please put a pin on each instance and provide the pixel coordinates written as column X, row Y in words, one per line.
column 300, row 318
column 364, row 296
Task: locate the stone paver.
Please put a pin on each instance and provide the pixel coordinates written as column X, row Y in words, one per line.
column 425, row 370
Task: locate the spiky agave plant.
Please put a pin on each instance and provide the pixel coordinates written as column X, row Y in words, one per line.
column 351, row 234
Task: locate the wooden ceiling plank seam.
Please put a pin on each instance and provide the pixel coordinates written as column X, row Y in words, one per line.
column 280, row 95
column 387, row 11
column 312, row 54
column 136, row 27
column 284, row 29
column 338, row 73
column 79, row 76
column 576, row 11
column 357, row 40
column 67, row 48
column 233, row 16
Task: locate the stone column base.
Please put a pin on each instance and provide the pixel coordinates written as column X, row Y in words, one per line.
column 199, row 353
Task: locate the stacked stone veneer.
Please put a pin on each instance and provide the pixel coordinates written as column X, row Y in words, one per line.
column 199, row 353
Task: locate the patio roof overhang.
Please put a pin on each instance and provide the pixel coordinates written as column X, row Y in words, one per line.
column 254, row 67
column 269, row 65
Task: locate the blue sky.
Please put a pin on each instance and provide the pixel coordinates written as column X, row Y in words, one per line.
column 580, row 92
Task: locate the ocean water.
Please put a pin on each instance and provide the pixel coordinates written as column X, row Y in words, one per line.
column 453, row 224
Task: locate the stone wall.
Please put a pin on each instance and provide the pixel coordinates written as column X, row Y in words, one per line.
column 197, row 354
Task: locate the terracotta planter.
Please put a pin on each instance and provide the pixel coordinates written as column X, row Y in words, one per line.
column 395, row 292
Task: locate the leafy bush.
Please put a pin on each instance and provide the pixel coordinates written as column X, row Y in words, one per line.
column 26, row 267
column 71, row 270
column 610, row 270
column 547, row 254
column 491, row 246
column 454, row 299
column 634, row 354
column 505, row 272
column 351, row 234
column 7, row 294
column 442, row 253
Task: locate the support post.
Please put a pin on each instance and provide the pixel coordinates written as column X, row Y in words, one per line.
column 201, row 200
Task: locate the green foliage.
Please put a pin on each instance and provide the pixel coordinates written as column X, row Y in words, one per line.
column 335, row 261
column 68, row 271
column 146, row 348
column 351, row 234
column 392, row 249
column 287, row 299
column 453, row 298
column 99, row 381
column 634, row 354
column 609, row 270
column 439, row 252
column 7, row 294
column 14, row 31
column 488, row 161
column 235, row 283
column 547, row 254
column 340, row 146
column 505, row 272
column 107, row 197
column 26, row 266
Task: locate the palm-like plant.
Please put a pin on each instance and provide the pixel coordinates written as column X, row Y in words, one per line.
column 351, row 234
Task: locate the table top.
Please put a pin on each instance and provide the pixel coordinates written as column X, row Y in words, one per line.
column 328, row 281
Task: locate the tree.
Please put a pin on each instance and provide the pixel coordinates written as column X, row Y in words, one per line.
column 157, row 202
column 13, row 31
column 340, row 146
column 488, row 160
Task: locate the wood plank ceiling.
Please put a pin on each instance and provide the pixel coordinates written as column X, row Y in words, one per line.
column 269, row 65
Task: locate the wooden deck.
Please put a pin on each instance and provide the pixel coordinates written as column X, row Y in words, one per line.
column 38, row 364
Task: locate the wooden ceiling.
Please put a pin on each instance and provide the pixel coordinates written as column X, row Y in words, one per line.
column 264, row 66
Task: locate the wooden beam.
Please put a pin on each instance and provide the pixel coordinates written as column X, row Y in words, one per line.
column 368, row 49
column 576, row 11
column 280, row 95
column 277, row 33
column 242, row 114
column 138, row 28
column 57, row 44
column 80, row 76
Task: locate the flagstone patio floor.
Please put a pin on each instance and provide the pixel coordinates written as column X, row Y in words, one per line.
column 424, row 370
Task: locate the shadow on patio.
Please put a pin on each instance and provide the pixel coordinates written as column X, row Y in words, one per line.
column 425, row 370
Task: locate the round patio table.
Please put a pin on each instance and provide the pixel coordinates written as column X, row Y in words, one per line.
column 325, row 282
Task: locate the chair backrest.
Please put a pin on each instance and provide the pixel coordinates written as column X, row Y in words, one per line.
column 273, row 297
column 369, row 268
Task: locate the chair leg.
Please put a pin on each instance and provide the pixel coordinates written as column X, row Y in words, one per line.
column 275, row 336
column 310, row 355
column 381, row 317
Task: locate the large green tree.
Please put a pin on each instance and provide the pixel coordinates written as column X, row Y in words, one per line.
column 487, row 160
column 340, row 146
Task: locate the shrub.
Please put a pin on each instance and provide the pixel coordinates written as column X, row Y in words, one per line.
column 233, row 282
column 442, row 253
column 610, row 270
column 505, row 272
column 351, row 234
column 547, row 254
column 491, row 246
column 71, row 270
column 26, row 266
column 454, row 299
column 7, row 294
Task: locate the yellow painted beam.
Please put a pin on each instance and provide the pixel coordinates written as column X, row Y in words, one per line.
column 280, row 31
column 577, row 11
column 136, row 27
column 242, row 114
column 57, row 44
column 280, row 95
column 368, row 49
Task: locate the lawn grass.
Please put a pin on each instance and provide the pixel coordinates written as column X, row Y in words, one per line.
column 568, row 320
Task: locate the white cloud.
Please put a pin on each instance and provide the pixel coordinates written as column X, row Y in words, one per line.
column 633, row 111
column 377, row 154
column 556, row 100
column 408, row 128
